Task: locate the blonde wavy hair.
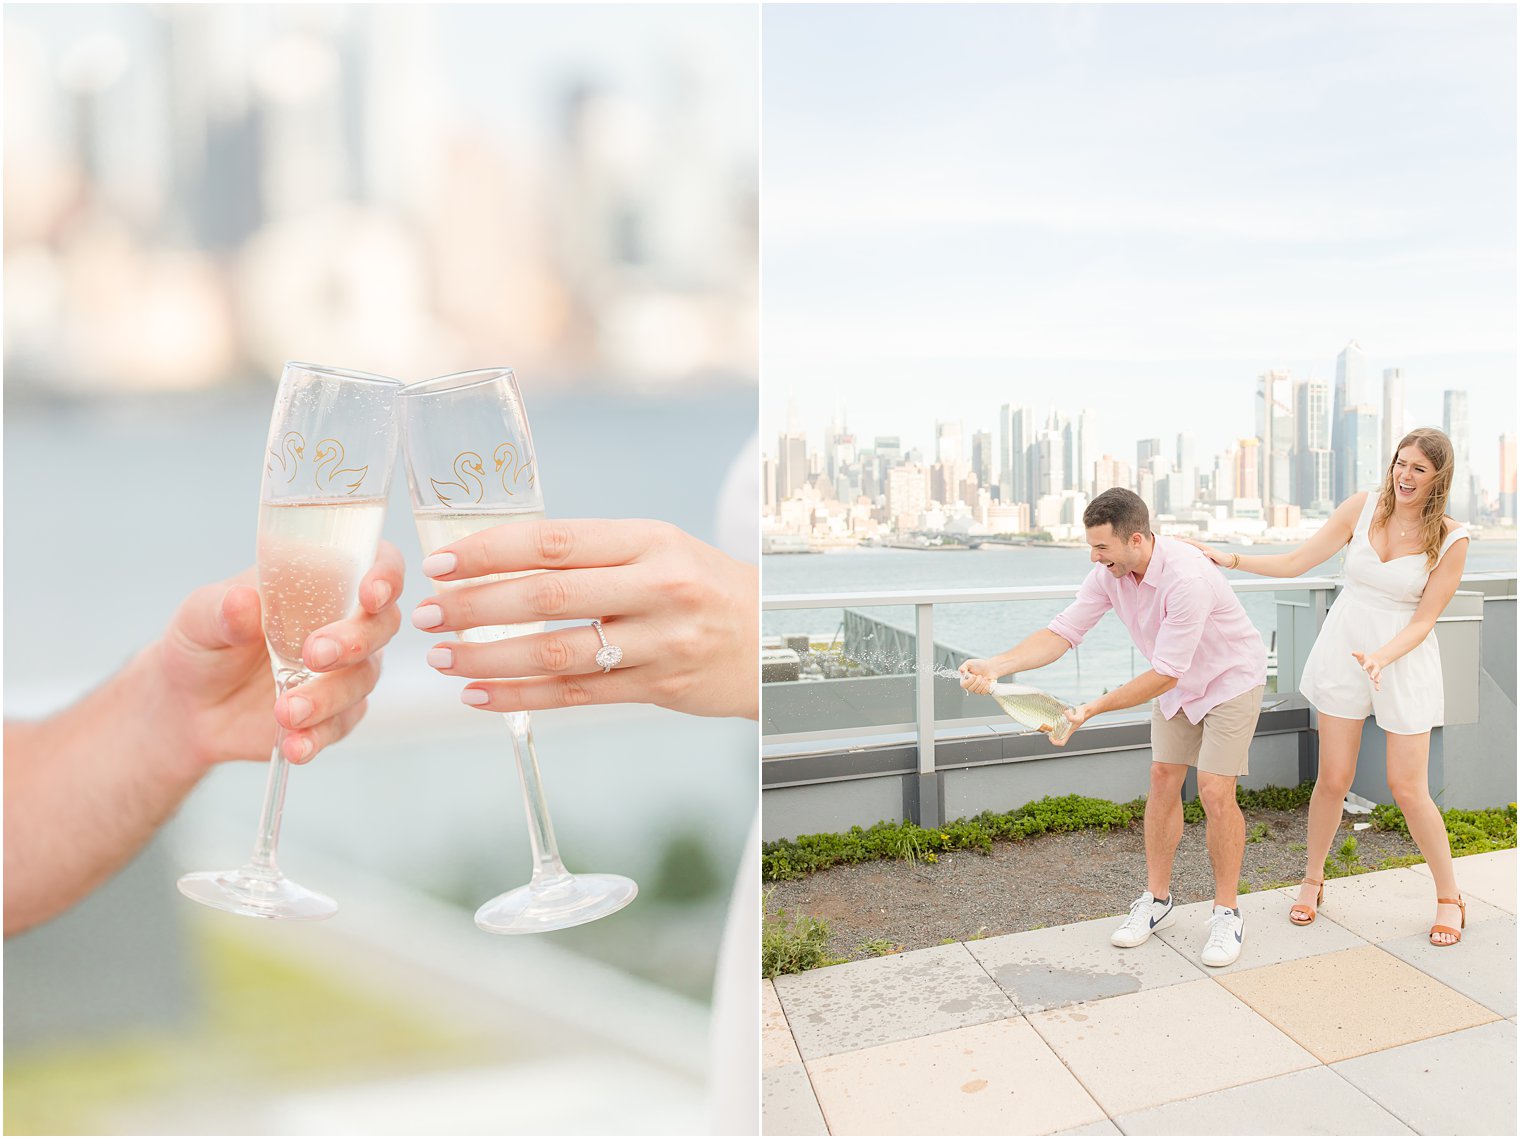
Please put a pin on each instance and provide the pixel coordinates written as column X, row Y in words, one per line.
column 1436, row 447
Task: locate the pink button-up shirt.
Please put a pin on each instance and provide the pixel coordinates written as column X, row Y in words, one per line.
column 1184, row 618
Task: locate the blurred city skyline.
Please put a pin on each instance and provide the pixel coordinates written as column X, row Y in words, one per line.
column 1138, row 208
column 196, row 194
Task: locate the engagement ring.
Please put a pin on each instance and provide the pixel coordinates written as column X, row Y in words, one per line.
column 608, row 655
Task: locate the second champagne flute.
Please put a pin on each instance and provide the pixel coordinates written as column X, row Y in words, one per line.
column 471, row 466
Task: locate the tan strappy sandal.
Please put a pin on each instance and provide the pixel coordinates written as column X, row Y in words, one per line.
column 1302, row 914
column 1456, row 934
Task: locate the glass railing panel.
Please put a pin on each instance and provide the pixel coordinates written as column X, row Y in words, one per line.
column 837, row 670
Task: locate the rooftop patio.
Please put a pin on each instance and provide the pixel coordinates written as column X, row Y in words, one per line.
column 1353, row 1025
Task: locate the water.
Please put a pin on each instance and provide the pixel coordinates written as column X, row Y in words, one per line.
column 1106, row 658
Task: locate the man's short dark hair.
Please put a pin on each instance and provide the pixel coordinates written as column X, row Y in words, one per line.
column 1122, row 509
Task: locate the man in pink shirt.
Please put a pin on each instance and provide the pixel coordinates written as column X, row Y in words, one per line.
column 1208, row 672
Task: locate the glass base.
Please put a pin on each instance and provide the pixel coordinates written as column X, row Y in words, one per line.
column 256, row 896
column 573, row 899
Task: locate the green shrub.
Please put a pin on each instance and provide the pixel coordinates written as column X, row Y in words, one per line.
column 794, row 947
column 1471, row 832
column 1275, row 798
column 906, row 841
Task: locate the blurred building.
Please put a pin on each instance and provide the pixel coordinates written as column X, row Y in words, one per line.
column 197, row 193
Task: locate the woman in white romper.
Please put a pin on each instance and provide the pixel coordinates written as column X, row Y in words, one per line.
column 1375, row 654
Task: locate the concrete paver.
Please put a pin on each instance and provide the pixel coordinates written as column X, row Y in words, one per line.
column 1050, row 968
column 1102, row 1127
column 1390, row 903
column 1356, row 1001
column 1459, row 1084
column 787, row 1103
column 1481, row 966
column 1269, row 937
column 777, row 1047
column 1314, row 1101
column 1487, row 877
column 986, row 1079
column 1356, row 1019
column 865, row 1003
column 1144, row 1049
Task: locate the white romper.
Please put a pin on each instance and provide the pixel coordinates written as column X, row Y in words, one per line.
column 1375, row 604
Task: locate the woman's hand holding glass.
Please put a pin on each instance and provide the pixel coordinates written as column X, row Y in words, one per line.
column 682, row 612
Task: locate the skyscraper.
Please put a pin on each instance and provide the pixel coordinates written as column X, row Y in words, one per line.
column 948, row 441
column 1016, row 425
column 1314, row 479
column 1507, row 479
column 1454, row 422
column 1393, row 413
column 907, row 495
column 1086, row 438
column 982, row 459
column 1145, row 450
column 1362, row 443
column 791, row 464
column 1187, row 472
column 1247, row 464
column 1050, row 463
column 1350, row 392
column 1274, row 427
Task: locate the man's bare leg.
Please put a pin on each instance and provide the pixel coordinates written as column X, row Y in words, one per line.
column 1163, row 826
column 1226, row 834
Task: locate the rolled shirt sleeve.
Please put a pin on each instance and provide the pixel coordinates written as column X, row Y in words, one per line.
column 1187, row 607
column 1077, row 619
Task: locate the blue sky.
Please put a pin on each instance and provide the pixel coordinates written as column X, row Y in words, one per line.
column 1134, row 208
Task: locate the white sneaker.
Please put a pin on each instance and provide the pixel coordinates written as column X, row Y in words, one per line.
column 1146, row 916
column 1226, row 928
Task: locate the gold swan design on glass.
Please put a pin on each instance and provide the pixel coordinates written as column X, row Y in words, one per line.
column 514, row 468
column 331, row 474
column 294, row 445
column 470, row 469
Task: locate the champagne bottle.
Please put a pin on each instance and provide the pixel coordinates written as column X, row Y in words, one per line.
column 1034, row 709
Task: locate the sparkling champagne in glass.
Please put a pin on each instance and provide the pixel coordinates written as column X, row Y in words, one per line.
column 327, row 471
column 471, row 466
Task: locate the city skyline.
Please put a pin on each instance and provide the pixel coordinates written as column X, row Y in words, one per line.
column 1480, row 453
column 1046, row 208
column 1314, row 444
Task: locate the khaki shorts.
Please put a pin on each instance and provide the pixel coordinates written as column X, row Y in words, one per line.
column 1220, row 743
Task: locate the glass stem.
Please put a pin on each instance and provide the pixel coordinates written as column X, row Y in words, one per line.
column 262, row 864
column 548, row 870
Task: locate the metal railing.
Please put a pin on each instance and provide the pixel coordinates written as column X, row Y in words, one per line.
column 1318, row 590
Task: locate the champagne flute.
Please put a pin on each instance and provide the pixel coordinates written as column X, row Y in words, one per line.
column 470, row 464
column 327, row 471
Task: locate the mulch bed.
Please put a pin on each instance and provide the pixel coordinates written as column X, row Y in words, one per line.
column 1047, row 880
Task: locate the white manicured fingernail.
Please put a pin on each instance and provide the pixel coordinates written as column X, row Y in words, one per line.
column 436, row 565
column 475, row 697
column 427, row 616
column 441, row 658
